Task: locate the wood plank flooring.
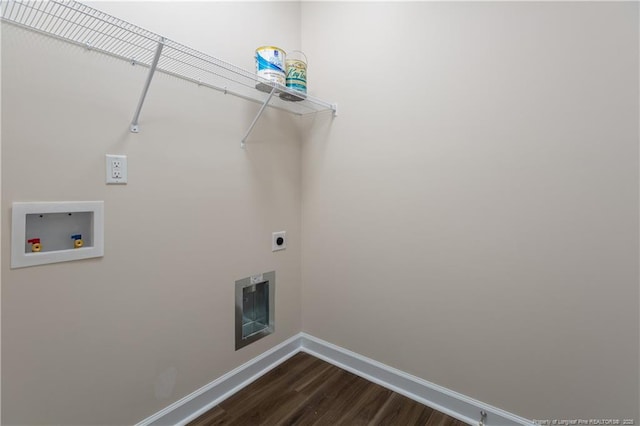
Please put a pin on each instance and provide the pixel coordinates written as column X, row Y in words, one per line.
column 305, row 390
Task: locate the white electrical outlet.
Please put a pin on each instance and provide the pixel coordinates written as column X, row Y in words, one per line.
column 116, row 169
column 279, row 240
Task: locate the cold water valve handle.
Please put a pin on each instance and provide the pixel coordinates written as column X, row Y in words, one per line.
column 78, row 240
column 35, row 245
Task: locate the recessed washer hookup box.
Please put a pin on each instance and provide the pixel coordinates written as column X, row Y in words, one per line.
column 59, row 231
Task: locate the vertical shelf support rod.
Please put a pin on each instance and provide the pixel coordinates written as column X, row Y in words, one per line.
column 154, row 64
column 255, row 120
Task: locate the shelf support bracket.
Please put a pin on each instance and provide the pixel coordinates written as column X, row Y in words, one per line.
column 255, row 120
column 154, row 64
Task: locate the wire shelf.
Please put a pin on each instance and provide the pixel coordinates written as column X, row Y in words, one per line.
column 83, row 25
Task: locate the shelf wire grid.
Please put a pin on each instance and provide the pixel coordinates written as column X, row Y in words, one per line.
column 83, row 25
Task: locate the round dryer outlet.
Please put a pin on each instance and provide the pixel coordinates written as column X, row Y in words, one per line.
column 278, row 241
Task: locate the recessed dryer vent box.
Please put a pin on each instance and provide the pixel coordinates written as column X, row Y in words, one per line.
column 255, row 308
column 50, row 232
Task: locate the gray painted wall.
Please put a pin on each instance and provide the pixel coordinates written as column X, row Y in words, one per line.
column 471, row 217
column 114, row 340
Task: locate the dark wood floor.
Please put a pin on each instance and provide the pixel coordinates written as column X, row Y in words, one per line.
column 307, row 391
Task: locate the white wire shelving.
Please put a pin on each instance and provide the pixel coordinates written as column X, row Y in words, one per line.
column 82, row 25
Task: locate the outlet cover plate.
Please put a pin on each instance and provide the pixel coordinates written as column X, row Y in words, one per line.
column 116, row 168
column 281, row 238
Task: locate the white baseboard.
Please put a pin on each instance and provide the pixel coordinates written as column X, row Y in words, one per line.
column 444, row 400
column 199, row 402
